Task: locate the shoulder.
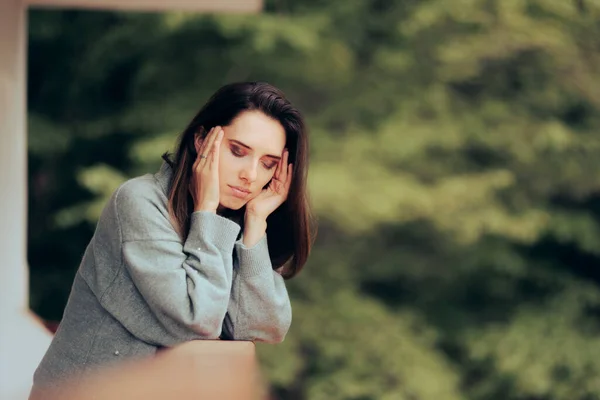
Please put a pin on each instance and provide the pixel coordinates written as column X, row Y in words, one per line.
column 138, row 192
column 141, row 209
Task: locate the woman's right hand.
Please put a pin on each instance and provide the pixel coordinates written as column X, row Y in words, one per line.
column 204, row 185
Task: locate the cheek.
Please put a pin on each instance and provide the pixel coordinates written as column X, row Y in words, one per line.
column 226, row 163
column 265, row 176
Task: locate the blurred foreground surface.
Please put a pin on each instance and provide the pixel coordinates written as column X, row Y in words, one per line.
column 195, row 370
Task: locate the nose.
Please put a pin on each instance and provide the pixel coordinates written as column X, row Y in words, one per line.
column 249, row 172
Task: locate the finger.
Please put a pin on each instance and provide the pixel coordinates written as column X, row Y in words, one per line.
column 198, row 154
column 210, row 138
column 288, row 181
column 285, row 165
column 214, row 153
column 203, row 141
column 283, row 174
column 279, row 169
column 201, row 149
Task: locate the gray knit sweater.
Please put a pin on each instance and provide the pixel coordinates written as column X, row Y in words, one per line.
column 140, row 288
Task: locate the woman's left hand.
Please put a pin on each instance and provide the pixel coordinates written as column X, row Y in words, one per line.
column 273, row 195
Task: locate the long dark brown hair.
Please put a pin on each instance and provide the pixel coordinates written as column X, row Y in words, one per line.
column 290, row 228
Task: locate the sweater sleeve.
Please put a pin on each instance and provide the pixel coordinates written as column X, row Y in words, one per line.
column 180, row 290
column 259, row 306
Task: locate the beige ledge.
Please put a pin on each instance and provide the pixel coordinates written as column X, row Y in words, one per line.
column 196, row 370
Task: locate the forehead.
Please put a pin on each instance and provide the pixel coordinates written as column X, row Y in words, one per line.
column 253, row 128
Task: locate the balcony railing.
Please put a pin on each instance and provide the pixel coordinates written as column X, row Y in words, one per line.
column 207, row 369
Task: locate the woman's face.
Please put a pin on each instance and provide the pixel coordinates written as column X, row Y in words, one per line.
column 251, row 147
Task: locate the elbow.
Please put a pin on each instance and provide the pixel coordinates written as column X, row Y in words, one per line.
column 209, row 325
column 276, row 337
column 207, row 330
column 281, row 327
column 281, row 332
column 277, row 328
column 272, row 331
column 273, row 336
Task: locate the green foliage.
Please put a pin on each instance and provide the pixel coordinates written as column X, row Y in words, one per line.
column 454, row 171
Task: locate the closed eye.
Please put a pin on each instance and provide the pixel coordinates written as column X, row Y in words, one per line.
column 239, row 152
column 236, row 151
column 270, row 165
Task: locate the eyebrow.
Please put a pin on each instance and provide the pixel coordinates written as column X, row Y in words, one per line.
column 250, row 148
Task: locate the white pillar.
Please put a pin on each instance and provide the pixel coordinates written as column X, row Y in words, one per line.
column 23, row 339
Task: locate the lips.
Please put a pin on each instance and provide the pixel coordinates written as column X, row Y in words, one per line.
column 239, row 191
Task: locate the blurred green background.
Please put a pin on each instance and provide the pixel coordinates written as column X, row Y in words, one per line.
column 455, row 174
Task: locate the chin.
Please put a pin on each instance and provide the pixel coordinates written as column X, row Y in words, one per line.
column 233, row 204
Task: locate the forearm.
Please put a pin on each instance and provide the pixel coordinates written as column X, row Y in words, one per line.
column 185, row 290
column 259, row 308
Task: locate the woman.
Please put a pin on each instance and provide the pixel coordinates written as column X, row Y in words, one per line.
column 183, row 254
